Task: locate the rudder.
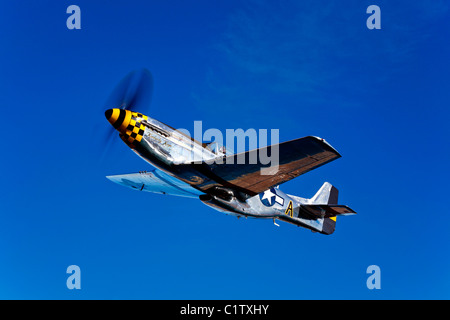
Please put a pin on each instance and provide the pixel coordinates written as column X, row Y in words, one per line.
column 327, row 194
column 325, row 204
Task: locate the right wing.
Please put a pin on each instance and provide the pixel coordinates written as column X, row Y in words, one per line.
column 296, row 157
column 156, row 181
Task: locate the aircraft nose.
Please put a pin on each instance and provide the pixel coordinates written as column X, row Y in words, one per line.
column 118, row 117
column 108, row 113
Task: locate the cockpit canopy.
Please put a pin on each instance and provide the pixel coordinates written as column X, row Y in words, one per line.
column 218, row 148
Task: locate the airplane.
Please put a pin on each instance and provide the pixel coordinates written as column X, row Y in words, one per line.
column 185, row 167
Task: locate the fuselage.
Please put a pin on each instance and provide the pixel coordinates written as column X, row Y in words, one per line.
column 182, row 157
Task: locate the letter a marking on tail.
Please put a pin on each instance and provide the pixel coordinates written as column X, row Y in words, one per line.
column 289, row 210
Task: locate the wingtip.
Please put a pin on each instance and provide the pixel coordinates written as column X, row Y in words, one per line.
column 328, row 145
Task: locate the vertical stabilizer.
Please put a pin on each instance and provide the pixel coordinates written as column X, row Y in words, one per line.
column 327, row 194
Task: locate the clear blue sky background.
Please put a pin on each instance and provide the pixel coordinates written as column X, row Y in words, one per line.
column 380, row 97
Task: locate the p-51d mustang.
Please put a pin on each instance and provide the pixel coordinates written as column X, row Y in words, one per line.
column 185, row 167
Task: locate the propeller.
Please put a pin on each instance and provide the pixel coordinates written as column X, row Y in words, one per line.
column 134, row 93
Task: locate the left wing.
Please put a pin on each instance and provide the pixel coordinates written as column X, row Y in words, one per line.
column 156, row 181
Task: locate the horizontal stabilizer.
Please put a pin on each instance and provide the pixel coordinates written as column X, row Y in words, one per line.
column 325, row 211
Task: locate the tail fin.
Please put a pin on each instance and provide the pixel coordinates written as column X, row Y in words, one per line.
column 327, row 194
column 324, row 205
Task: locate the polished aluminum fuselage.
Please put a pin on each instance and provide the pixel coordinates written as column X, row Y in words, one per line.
column 175, row 152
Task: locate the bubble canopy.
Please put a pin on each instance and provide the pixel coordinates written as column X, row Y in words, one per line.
column 218, row 148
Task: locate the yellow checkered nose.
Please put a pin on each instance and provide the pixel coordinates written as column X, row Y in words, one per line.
column 128, row 123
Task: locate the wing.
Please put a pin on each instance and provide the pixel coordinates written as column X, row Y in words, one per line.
column 296, row 157
column 156, row 181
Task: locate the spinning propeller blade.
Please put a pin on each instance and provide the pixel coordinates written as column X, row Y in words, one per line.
column 133, row 92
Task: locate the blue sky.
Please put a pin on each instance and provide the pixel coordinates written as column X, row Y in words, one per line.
column 380, row 97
